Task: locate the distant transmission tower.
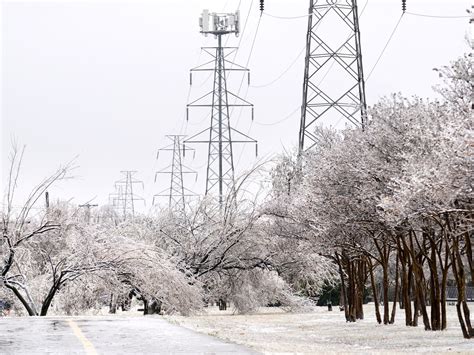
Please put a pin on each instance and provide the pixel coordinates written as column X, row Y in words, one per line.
column 115, row 199
column 176, row 193
column 124, row 198
column 339, row 93
column 220, row 136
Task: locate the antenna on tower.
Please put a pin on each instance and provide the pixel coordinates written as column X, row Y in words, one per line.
column 332, row 95
column 176, row 193
column 124, row 198
column 220, row 136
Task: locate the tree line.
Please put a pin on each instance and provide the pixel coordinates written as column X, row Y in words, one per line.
column 392, row 202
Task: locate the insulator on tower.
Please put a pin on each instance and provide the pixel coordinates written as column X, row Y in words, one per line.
column 404, row 5
column 261, row 5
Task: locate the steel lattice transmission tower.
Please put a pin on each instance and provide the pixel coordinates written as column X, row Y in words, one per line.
column 333, row 87
column 124, row 198
column 176, row 193
column 220, row 136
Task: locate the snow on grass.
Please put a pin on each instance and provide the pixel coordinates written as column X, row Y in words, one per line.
column 320, row 331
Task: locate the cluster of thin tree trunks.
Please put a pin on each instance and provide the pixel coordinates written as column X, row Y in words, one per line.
column 415, row 267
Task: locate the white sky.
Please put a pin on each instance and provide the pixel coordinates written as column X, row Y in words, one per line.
column 107, row 80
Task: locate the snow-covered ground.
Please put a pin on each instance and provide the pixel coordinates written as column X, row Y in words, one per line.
column 320, row 331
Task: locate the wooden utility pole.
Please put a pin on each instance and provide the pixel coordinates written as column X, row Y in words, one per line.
column 88, row 207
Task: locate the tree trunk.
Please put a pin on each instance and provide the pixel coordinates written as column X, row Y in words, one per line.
column 386, row 306
column 419, row 282
column 112, row 304
column 49, row 298
column 361, row 276
column 469, row 256
column 405, row 278
column 395, row 294
column 343, row 287
column 374, row 291
column 29, row 308
column 462, row 308
column 351, row 294
column 435, row 296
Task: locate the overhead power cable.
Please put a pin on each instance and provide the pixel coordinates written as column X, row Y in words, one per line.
column 437, row 16
column 301, row 16
column 286, row 17
column 245, row 26
column 241, row 35
column 385, row 47
column 253, row 41
column 282, row 73
column 248, row 61
column 238, row 8
column 241, row 82
column 280, row 121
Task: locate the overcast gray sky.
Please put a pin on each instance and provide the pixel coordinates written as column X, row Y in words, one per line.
column 107, row 80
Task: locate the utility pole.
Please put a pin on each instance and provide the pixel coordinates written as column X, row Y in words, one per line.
column 176, row 193
column 220, row 136
column 46, row 197
column 332, row 95
column 88, row 207
column 126, row 198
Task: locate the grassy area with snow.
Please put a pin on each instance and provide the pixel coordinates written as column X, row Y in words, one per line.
column 273, row 331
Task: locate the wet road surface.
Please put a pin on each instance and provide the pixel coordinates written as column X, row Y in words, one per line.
column 106, row 335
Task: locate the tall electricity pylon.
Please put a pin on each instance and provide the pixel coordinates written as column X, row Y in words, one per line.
column 124, row 198
column 335, row 43
column 220, row 136
column 176, row 193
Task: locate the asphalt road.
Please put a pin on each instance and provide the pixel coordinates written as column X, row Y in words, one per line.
column 106, row 335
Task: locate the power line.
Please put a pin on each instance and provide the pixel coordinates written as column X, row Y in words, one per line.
column 245, row 26
column 286, row 17
column 299, row 16
column 436, row 16
column 253, row 41
column 283, row 73
column 385, row 47
column 223, row 10
column 247, row 64
column 280, row 121
column 242, row 81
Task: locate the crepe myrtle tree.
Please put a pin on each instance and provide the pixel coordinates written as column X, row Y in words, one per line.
column 44, row 252
column 212, row 239
column 152, row 271
column 19, row 228
column 224, row 245
column 395, row 197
